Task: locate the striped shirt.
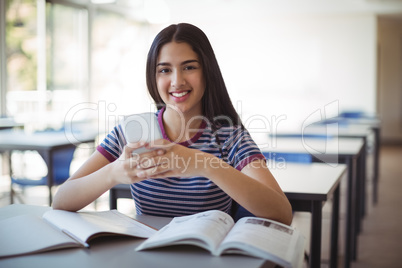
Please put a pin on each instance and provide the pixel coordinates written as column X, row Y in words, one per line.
column 173, row 197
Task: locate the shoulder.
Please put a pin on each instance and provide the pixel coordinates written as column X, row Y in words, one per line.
column 235, row 132
column 112, row 145
column 237, row 138
column 117, row 134
column 229, row 130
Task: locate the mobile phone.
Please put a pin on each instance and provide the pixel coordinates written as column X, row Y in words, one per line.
column 141, row 127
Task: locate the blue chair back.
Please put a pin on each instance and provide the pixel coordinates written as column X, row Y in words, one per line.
column 305, row 135
column 289, row 157
column 61, row 165
column 352, row 114
column 342, row 122
column 238, row 212
column 61, row 169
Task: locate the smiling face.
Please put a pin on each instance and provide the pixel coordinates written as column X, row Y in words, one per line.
column 179, row 78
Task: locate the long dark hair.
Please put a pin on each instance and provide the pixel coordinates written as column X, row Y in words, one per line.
column 216, row 104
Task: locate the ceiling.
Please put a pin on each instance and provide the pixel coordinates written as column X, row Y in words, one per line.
column 207, row 9
column 215, row 10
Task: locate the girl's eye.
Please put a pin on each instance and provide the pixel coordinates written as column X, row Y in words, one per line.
column 190, row 67
column 163, row 70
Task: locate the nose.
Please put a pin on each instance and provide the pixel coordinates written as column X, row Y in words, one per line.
column 178, row 79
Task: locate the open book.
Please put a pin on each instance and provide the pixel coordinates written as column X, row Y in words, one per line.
column 62, row 229
column 216, row 232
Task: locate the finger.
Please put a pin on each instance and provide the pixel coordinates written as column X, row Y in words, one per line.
column 131, row 146
column 147, row 160
column 134, row 173
column 155, row 158
column 131, row 164
column 154, row 172
column 166, row 174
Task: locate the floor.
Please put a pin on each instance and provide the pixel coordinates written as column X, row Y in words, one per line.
column 379, row 241
column 381, row 234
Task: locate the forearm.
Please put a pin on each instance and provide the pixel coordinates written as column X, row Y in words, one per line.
column 76, row 193
column 97, row 175
column 260, row 197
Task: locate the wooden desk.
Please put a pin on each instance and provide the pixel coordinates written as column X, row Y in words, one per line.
column 349, row 151
column 307, row 188
column 119, row 252
column 46, row 143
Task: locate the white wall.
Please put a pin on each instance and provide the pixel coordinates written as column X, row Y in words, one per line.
column 295, row 65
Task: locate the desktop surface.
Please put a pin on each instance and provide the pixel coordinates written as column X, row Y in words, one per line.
column 119, row 251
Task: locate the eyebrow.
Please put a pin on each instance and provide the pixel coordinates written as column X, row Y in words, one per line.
column 183, row 63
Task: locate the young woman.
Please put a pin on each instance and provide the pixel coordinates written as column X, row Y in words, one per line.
column 206, row 159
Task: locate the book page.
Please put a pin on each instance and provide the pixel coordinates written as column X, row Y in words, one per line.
column 264, row 238
column 205, row 229
column 28, row 234
column 83, row 225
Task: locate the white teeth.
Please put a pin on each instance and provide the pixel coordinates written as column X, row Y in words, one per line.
column 181, row 94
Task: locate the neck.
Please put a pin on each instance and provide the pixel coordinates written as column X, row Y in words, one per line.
column 181, row 127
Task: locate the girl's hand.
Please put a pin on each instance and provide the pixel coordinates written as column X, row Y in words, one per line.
column 173, row 160
column 129, row 164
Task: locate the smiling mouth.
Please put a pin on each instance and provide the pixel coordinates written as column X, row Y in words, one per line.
column 179, row 94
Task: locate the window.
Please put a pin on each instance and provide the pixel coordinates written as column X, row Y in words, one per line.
column 61, row 53
column 21, row 45
column 67, row 66
column 67, row 59
column 119, row 50
column 47, row 61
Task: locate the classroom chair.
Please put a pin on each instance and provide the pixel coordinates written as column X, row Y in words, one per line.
column 304, row 135
column 346, row 118
column 341, row 121
column 237, row 212
column 118, row 191
column 356, row 115
column 351, row 114
column 61, row 160
column 289, row 157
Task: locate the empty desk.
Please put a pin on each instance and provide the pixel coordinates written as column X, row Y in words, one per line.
column 349, row 151
column 46, row 143
column 308, row 187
